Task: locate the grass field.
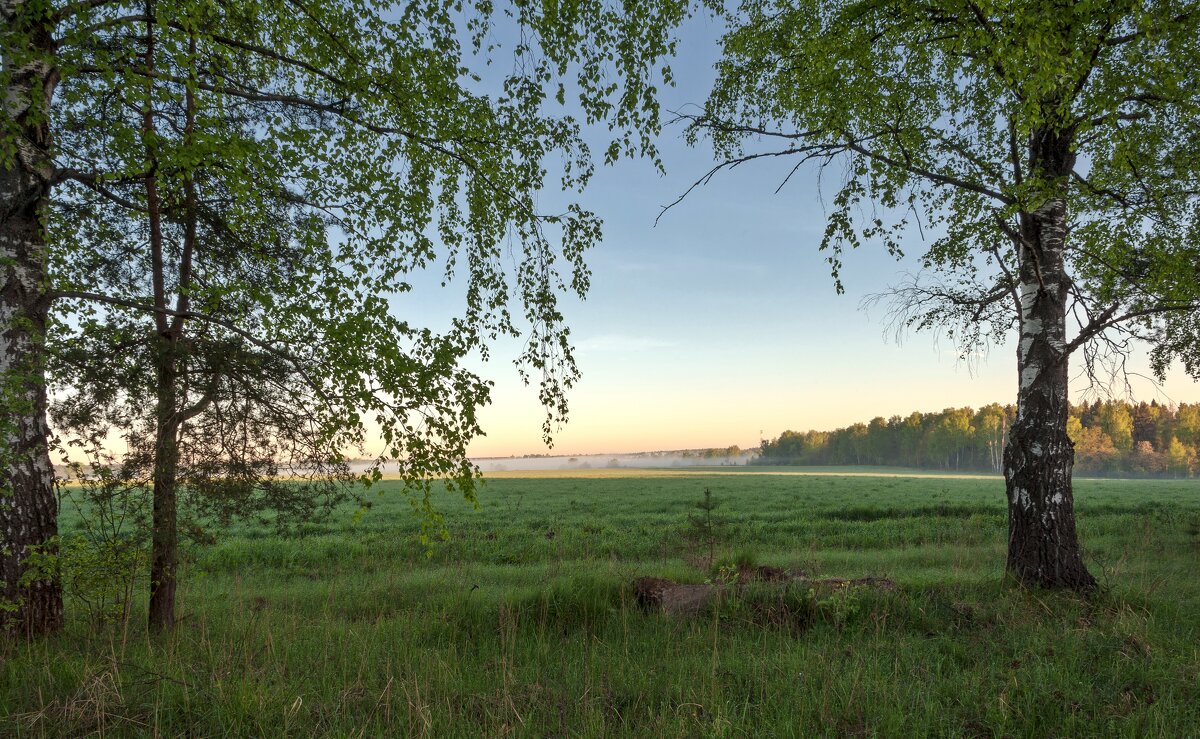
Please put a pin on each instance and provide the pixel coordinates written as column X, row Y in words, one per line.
column 524, row 624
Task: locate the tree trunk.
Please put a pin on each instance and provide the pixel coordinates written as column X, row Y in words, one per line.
column 28, row 507
column 164, row 555
column 164, row 545
column 1043, row 549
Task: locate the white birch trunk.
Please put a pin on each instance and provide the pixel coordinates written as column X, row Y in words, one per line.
column 28, row 507
column 1043, row 547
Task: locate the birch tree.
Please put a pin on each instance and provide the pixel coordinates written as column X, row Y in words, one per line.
column 242, row 191
column 1050, row 149
column 29, row 599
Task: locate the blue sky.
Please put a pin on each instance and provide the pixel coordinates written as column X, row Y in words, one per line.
column 721, row 323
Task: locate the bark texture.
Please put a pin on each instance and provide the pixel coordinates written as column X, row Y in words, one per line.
column 31, row 600
column 1043, row 547
column 164, row 555
column 164, row 550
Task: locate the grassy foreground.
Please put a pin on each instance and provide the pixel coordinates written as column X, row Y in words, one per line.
column 523, row 624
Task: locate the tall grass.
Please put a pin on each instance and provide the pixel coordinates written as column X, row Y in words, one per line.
column 524, row 622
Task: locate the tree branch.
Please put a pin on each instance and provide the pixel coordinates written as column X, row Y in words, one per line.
column 340, row 110
column 814, row 153
column 1157, row 28
column 266, row 346
column 1106, row 320
column 982, row 19
column 203, row 403
column 1009, row 277
column 934, row 177
column 82, row 6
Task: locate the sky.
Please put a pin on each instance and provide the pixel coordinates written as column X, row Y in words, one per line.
column 721, row 325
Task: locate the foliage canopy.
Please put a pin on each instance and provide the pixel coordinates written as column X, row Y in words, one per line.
column 930, row 108
column 334, row 150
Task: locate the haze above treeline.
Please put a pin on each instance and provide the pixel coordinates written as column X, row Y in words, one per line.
column 1111, row 438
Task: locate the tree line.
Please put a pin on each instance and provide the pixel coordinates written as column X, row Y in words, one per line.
column 1110, row 438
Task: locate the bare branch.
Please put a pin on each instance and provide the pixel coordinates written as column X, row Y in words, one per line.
column 1009, row 277
column 1108, row 319
column 819, row 150
column 815, row 153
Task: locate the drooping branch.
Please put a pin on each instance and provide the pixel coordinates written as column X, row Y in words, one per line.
column 962, row 312
column 342, row 110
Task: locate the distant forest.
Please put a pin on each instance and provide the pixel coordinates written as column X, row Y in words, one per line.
column 1111, row 438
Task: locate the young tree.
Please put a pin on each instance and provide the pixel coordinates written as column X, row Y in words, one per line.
column 1180, row 458
column 1117, row 422
column 1187, row 423
column 1053, row 148
column 243, row 191
column 992, row 423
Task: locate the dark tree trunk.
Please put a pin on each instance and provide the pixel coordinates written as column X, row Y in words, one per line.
column 28, row 507
column 164, row 545
column 1043, row 548
column 164, row 556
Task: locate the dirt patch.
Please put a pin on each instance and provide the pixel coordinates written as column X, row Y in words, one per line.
column 684, row 599
column 878, row 583
column 667, row 596
column 688, row 600
column 649, row 590
column 766, row 573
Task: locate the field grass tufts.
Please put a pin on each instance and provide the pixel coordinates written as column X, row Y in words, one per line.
column 355, row 629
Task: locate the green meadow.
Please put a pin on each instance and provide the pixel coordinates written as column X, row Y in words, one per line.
column 524, row 622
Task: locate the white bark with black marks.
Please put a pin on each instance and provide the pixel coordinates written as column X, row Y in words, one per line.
column 28, row 507
column 1043, row 545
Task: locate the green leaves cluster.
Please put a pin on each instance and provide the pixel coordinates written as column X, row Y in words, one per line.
column 933, row 111
column 320, row 154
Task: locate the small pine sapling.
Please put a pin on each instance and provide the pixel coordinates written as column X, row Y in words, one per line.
column 707, row 528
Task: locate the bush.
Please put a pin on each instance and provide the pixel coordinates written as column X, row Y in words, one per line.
column 104, row 562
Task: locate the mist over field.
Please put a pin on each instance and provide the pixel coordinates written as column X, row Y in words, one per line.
column 609, row 461
column 680, row 458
